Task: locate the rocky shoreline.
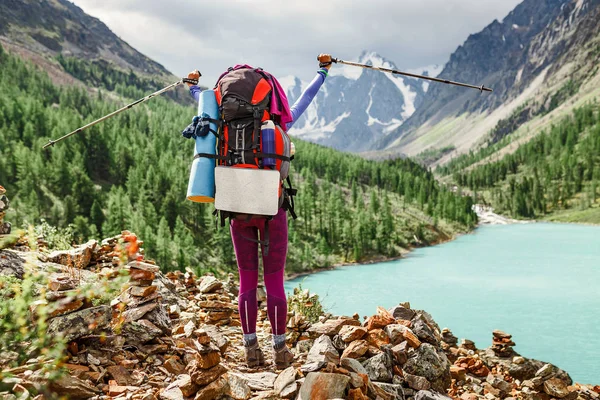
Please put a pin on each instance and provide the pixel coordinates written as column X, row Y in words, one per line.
column 176, row 336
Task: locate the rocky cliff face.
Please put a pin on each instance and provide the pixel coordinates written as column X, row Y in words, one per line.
column 177, row 336
column 59, row 26
column 521, row 58
column 356, row 107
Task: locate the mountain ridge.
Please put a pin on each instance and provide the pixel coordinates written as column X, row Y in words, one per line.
column 356, row 107
column 60, row 27
column 542, row 57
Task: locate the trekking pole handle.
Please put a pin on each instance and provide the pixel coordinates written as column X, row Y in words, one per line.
column 190, row 80
column 333, row 60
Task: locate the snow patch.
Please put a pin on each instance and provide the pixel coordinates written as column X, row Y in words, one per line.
column 392, row 126
column 387, row 126
column 371, row 121
column 519, row 75
column 317, row 129
column 409, row 96
column 346, row 71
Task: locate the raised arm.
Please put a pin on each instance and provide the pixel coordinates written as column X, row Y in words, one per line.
column 194, row 89
column 311, row 91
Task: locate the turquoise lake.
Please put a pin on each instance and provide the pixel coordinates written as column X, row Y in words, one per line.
column 538, row 282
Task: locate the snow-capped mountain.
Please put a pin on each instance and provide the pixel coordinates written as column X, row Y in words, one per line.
column 357, row 107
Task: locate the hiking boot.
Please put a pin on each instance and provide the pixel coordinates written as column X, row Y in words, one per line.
column 283, row 357
column 254, row 355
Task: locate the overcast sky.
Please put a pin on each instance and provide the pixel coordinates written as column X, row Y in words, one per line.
column 285, row 36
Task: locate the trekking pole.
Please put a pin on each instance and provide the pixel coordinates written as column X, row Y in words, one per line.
column 127, row 107
column 393, row 71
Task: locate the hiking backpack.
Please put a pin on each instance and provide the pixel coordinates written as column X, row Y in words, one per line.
column 244, row 98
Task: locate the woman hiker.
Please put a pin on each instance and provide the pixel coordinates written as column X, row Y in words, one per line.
column 246, row 252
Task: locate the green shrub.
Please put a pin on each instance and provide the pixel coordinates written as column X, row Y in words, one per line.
column 23, row 334
column 309, row 305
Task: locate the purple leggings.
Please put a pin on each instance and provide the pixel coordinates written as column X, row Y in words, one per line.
column 246, row 253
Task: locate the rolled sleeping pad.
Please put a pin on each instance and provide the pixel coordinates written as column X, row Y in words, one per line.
column 201, row 186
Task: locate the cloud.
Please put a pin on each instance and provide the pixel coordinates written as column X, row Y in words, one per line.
column 284, row 37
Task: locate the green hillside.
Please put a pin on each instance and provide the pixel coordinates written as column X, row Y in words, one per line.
column 131, row 172
column 555, row 175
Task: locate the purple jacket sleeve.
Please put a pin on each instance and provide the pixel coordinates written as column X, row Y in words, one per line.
column 195, row 92
column 307, row 96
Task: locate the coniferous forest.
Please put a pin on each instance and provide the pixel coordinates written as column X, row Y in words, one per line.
column 131, row 172
column 557, row 170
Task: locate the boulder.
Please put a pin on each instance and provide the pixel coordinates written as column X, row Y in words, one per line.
column 286, row 382
column 259, row 381
column 331, row 327
column 424, row 332
column 377, row 338
column 323, row 386
column 141, row 331
column 90, row 321
column 350, row 333
column 160, row 318
column 237, row 388
column 217, row 337
column 11, row 264
column 400, row 352
column 393, row 391
column 399, row 333
column 143, row 266
column 431, row 363
column 213, row 390
column 322, row 352
column 210, row 284
column 498, row 383
column 186, row 385
column 400, row 312
column 429, row 395
column 203, row 376
column 171, row 392
column 73, row 387
column 356, row 349
column 379, row 368
column 119, row 374
column 417, row 382
column 76, row 258
column 555, row 387
column 353, row 365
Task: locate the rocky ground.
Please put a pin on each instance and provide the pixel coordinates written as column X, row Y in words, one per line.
column 176, row 336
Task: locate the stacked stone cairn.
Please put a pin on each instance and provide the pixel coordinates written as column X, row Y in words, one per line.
column 502, row 344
